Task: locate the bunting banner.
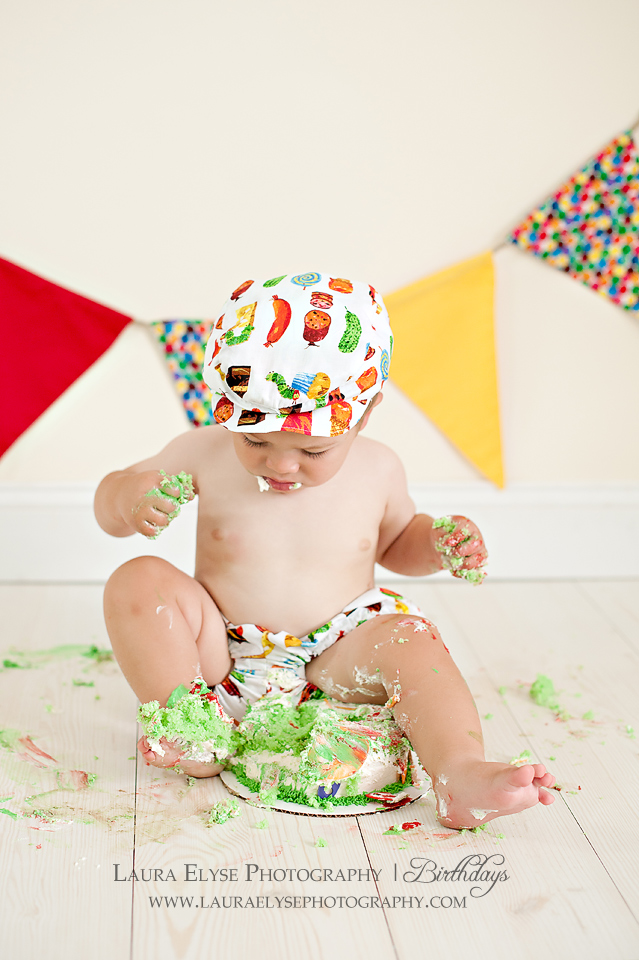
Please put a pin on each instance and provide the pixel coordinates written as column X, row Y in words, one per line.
column 590, row 227
column 183, row 344
column 444, row 357
column 50, row 337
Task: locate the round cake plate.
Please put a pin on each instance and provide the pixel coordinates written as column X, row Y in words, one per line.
column 238, row 789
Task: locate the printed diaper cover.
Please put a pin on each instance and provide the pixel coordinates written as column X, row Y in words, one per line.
column 304, row 353
column 267, row 662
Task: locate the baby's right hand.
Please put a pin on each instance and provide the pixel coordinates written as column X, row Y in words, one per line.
column 154, row 500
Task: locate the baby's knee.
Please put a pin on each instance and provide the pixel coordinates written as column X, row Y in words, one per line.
column 132, row 579
column 407, row 627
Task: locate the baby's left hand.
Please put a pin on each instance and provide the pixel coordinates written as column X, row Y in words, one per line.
column 462, row 548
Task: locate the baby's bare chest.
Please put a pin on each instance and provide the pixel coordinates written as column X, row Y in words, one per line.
column 312, row 531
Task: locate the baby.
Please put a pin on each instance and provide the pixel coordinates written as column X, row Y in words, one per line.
column 295, row 508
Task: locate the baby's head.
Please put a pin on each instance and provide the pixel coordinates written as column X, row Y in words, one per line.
column 301, row 356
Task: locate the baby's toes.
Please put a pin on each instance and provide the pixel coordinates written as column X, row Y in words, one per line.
column 145, row 750
column 539, row 769
column 546, row 798
column 546, row 781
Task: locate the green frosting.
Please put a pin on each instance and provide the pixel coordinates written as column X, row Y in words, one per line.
column 183, row 481
column 450, row 560
column 524, row 757
column 445, row 523
column 274, row 725
column 222, row 811
column 312, row 733
column 543, row 693
column 190, row 719
column 184, row 484
column 100, row 656
column 308, row 732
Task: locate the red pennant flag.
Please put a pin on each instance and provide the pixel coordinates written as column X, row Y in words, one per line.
column 49, row 337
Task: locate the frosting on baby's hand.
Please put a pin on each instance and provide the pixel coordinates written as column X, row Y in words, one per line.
column 462, row 549
column 167, row 505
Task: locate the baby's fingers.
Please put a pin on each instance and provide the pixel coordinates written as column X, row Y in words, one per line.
column 469, row 547
column 150, row 521
column 476, row 560
column 162, row 504
column 179, row 486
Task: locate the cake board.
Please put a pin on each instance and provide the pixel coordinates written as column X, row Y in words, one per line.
column 238, row 789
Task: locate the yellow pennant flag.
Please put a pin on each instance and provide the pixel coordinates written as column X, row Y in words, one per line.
column 444, row 357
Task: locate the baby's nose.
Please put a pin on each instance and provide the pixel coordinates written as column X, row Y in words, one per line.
column 282, row 462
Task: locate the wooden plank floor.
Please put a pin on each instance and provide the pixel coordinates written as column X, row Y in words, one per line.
column 570, row 885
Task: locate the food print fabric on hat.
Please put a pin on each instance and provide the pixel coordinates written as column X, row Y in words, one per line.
column 304, row 353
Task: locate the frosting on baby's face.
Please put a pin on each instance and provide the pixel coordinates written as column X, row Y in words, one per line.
column 286, row 462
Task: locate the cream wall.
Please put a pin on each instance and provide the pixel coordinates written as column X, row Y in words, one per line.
column 156, row 154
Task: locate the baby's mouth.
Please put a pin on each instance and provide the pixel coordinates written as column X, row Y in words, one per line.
column 267, row 483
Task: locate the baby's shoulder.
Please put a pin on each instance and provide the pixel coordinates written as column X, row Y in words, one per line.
column 188, row 452
column 373, row 453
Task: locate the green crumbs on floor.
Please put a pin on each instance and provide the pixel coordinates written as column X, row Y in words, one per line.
column 100, row 656
column 524, row 757
column 393, row 830
column 542, row 691
column 222, row 811
column 488, row 716
column 552, row 758
column 501, row 691
column 588, row 715
column 320, row 842
column 83, row 683
column 261, row 824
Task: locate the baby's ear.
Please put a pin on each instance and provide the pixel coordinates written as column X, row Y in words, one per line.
column 377, row 399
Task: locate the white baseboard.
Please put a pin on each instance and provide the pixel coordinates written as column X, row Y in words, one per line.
column 48, row 532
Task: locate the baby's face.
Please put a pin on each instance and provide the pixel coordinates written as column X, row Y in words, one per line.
column 284, row 459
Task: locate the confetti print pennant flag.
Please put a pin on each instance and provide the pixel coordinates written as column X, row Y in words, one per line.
column 590, row 227
column 183, row 343
column 444, row 357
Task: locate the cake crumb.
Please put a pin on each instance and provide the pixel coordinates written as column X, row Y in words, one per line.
column 222, row 811
column 524, row 757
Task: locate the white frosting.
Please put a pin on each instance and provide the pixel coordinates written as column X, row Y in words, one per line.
column 480, row 814
column 263, row 484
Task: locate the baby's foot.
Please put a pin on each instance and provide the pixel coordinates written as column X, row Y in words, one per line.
column 477, row 791
column 173, row 758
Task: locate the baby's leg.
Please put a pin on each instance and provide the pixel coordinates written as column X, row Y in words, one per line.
column 165, row 630
column 402, row 658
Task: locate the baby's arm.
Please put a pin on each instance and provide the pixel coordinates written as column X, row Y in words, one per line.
column 145, row 497
column 414, row 544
